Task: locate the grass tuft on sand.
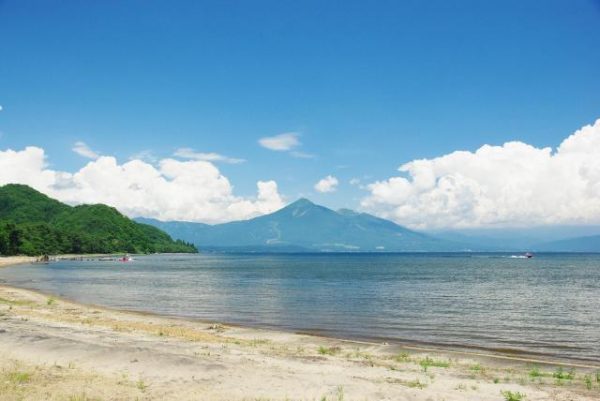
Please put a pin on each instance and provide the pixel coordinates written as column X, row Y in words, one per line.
column 513, row 396
column 428, row 362
column 329, row 350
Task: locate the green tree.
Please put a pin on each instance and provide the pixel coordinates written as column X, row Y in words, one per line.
column 3, row 241
column 15, row 239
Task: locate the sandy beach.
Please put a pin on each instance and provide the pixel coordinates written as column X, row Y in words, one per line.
column 16, row 260
column 54, row 349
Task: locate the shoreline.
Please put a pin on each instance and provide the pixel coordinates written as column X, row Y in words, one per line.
column 109, row 354
column 461, row 351
column 457, row 349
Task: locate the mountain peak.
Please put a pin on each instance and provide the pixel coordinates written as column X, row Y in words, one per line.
column 302, row 202
column 302, row 207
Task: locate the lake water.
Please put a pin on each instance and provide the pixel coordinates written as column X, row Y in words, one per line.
column 548, row 305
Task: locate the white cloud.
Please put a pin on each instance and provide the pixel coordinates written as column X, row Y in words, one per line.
column 1, row 108
column 354, row 181
column 187, row 153
column 281, row 142
column 327, row 184
column 515, row 184
column 84, row 150
column 189, row 190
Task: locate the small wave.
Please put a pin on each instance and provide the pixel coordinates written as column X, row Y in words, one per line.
column 518, row 257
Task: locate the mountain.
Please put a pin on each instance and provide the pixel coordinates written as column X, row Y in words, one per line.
column 23, row 204
column 31, row 223
column 559, row 238
column 578, row 244
column 305, row 226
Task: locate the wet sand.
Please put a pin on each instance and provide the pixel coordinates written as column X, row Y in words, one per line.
column 55, row 349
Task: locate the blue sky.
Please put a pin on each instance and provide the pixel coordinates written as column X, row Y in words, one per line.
column 368, row 86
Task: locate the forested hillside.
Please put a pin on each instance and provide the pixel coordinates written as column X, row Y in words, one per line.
column 31, row 223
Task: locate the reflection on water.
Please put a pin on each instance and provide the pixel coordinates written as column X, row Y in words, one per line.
column 547, row 305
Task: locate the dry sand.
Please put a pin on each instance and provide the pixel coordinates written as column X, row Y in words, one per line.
column 16, row 260
column 52, row 349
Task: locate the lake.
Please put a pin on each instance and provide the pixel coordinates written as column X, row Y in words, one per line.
column 548, row 305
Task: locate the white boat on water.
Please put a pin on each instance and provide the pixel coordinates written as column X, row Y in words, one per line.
column 527, row 255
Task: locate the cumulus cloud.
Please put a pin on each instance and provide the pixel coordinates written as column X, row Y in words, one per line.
column 82, row 149
column 281, row 142
column 1, row 108
column 188, row 153
column 515, row 184
column 327, row 184
column 191, row 190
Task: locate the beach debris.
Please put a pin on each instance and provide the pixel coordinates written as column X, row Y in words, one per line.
column 217, row 327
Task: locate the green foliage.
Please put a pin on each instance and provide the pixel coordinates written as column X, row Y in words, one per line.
column 23, row 204
column 588, row 381
column 33, row 224
column 560, row 374
column 535, row 372
column 510, row 396
column 329, row 350
column 476, row 368
column 427, row 362
column 141, row 385
column 402, row 357
column 19, row 377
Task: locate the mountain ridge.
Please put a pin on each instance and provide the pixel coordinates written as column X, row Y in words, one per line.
column 305, row 226
column 583, row 244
